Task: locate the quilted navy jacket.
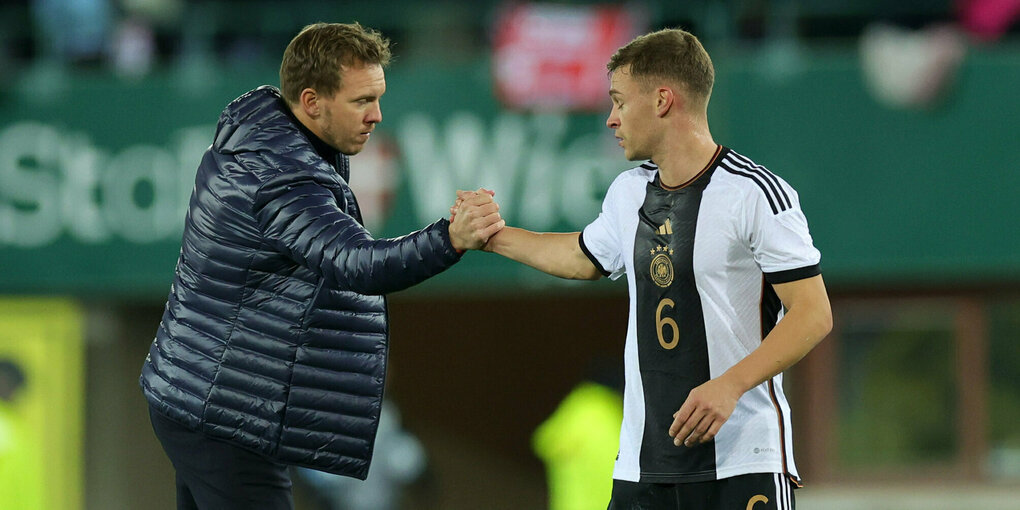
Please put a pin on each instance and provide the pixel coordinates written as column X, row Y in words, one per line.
column 274, row 335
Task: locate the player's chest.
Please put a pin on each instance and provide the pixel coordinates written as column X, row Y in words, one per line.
column 679, row 233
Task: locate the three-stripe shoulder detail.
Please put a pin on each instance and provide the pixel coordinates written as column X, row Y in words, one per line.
column 767, row 181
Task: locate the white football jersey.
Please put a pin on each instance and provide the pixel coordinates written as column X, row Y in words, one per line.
column 700, row 260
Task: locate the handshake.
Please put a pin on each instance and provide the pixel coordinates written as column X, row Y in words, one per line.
column 474, row 218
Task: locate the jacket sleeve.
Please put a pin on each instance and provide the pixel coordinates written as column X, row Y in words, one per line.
column 300, row 217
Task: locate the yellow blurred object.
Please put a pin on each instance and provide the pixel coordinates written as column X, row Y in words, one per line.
column 41, row 423
column 578, row 445
column 17, row 480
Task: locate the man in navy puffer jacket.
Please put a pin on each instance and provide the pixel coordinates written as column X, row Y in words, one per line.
column 272, row 348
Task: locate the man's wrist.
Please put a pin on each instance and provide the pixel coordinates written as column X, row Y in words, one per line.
column 737, row 381
column 493, row 244
column 460, row 250
column 449, row 236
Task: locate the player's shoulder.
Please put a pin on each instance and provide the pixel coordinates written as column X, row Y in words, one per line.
column 636, row 177
column 744, row 176
column 630, row 185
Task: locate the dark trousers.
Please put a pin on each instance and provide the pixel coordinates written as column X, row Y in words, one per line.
column 214, row 475
column 757, row 491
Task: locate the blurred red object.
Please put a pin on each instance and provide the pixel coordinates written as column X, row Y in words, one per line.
column 987, row 20
column 549, row 56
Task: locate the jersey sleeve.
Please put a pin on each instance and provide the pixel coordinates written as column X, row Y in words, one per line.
column 600, row 240
column 779, row 237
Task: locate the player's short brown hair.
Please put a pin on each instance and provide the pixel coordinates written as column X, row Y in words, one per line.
column 315, row 57
column 672, row 54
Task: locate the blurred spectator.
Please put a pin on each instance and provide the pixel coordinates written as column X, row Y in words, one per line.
column 73, row 31
column 133, row 49
column 399, row 460
column 16, row 490
column 910, row 68
column 916, row 68
column 12, row 379
column 579, row 442
column 987, row 20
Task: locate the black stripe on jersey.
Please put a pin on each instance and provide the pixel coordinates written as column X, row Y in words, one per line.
column 769, row 310
column 782, row 423
column 792, row 275
column 754, row 167
column 649, row 165
column 587, row 253
column 735, row 170
column 672, row 346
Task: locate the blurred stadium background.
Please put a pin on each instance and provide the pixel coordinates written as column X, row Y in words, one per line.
column 897, row 122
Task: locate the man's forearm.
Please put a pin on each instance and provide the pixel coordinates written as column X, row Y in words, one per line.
column 801, row 329
column 557, row 254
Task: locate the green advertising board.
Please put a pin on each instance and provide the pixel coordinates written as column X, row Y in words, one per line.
column 95, row 173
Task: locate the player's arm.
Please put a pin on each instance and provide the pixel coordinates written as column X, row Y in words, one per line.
column 558, row 254
column 807, row 320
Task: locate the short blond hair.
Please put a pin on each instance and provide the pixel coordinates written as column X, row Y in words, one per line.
column 671, row 54
column 315, row 58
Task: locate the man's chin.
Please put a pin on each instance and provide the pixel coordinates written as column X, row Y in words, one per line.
column 634, row 155
column 351, row 150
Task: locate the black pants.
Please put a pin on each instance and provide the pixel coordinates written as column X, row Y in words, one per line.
column 757, row 491
column 214, row 475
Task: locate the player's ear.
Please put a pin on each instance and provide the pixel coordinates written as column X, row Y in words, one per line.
column 664, row 99
column 309, row 101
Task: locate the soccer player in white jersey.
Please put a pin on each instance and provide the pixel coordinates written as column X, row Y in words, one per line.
column 714, row 246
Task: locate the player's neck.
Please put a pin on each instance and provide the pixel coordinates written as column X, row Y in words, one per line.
column 682, row 160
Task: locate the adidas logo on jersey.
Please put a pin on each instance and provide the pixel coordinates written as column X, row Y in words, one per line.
column 665, row 229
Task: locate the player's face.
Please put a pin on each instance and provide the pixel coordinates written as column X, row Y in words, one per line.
column 349, row 117
column 633, row 108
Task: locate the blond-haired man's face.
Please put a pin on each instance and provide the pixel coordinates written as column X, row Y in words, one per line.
column 347, row 119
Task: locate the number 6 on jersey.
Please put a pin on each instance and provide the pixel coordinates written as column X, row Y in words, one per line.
column 661, row 322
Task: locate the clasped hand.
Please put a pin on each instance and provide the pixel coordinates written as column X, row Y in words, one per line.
column 474, row 218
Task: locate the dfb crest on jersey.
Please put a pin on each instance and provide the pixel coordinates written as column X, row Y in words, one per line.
column 662, row 267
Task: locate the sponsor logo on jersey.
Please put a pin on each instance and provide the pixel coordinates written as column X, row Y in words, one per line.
column 665, row 229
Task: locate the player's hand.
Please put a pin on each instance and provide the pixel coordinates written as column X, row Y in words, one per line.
column 703, row 413
column 474, row 219
column 460, row 193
